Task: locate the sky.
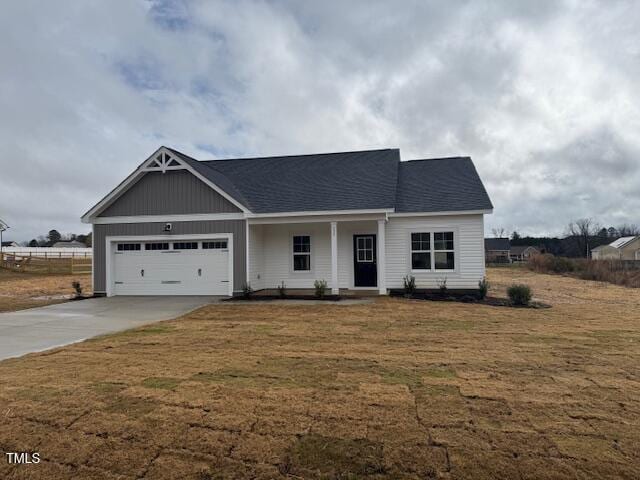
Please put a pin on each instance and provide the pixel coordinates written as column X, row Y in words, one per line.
column 544, row 96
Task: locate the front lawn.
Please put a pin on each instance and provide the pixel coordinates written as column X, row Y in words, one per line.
column 26, row 290
column 394, row 389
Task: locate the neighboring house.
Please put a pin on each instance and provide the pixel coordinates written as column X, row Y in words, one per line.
column 359, row 220
column 522, row 253
column 69, row 244
column 496, row 250
column 10, row 244
column 625, row 248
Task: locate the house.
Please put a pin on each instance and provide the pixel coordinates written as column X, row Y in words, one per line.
column 522, row 253
column 496, row 250
column 359, row 220
column 10, row 244
column 69, row 244
column 625, row 248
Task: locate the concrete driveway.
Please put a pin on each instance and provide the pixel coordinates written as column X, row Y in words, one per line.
column 38, row 329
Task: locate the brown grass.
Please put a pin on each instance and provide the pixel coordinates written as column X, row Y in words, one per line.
column 617, row 272
column 26, row 290
column 395, row 389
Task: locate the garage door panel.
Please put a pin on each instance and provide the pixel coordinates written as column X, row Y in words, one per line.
column 179, row 272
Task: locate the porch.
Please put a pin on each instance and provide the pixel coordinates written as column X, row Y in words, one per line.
column 349, row 254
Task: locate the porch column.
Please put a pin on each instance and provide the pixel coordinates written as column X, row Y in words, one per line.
column 334, row 259
column 382, row 278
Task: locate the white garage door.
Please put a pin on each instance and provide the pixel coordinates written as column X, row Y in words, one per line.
column 176, row 267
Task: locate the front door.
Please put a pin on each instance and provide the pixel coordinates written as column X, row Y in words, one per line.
column 365, row 268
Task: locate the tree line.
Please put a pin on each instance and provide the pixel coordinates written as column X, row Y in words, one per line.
column 54, row 236
column 580, row 237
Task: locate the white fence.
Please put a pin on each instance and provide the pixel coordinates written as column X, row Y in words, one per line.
column 48, row 252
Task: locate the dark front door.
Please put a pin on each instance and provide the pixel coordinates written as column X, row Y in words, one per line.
column 365, row 268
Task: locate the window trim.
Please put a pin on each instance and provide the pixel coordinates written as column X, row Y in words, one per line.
column 292, row 254
column 446, row 250
column 431, row 231
column 429, row 251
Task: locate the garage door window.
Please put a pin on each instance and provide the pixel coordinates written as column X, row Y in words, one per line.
column 128, row 247
column 185, row 245
column 156, row 246
column 215, row 244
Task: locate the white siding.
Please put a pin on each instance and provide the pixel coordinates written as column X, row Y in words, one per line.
column 256, row 257
column 278, row 257
column 469, row 250
column 270, row 252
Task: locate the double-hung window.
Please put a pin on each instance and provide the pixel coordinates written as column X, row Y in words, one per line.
column 432, row 251
column 301, row 253
column 444, row 252
column 421, row 251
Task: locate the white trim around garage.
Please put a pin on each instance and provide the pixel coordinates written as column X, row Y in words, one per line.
column 108, row 254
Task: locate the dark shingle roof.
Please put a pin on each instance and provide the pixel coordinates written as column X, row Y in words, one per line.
column 364, row 180
column 440, row 185
column 492, row 244
column 328, row 181
column 216, row 177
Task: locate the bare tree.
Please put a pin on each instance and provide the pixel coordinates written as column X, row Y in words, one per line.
column 581, row 231
column 498, row 232
column 628, row 230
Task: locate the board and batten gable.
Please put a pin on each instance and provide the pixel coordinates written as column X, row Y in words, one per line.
column 171, row 193
column 468, row 244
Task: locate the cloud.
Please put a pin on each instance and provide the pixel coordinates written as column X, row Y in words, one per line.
column 540, row 94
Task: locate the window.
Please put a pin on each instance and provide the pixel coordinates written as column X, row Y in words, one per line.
column 156, row 246
column 215, row 244
column 421, row 251
column 364, row 249
column 185, row 245
column 127, row 247
column 301, row 253
column 443, row 246
column 432, row 251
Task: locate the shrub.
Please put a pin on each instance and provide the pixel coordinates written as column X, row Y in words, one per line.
column 442, row 286
column 483, row 288
column 77, row 287
column 247, row 290
column 546, row 263
column 409, row 285
column 282, row 290
column 519, row 294
column 321, row 287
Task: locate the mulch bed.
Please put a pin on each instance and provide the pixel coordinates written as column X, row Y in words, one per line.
column 466, row 298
